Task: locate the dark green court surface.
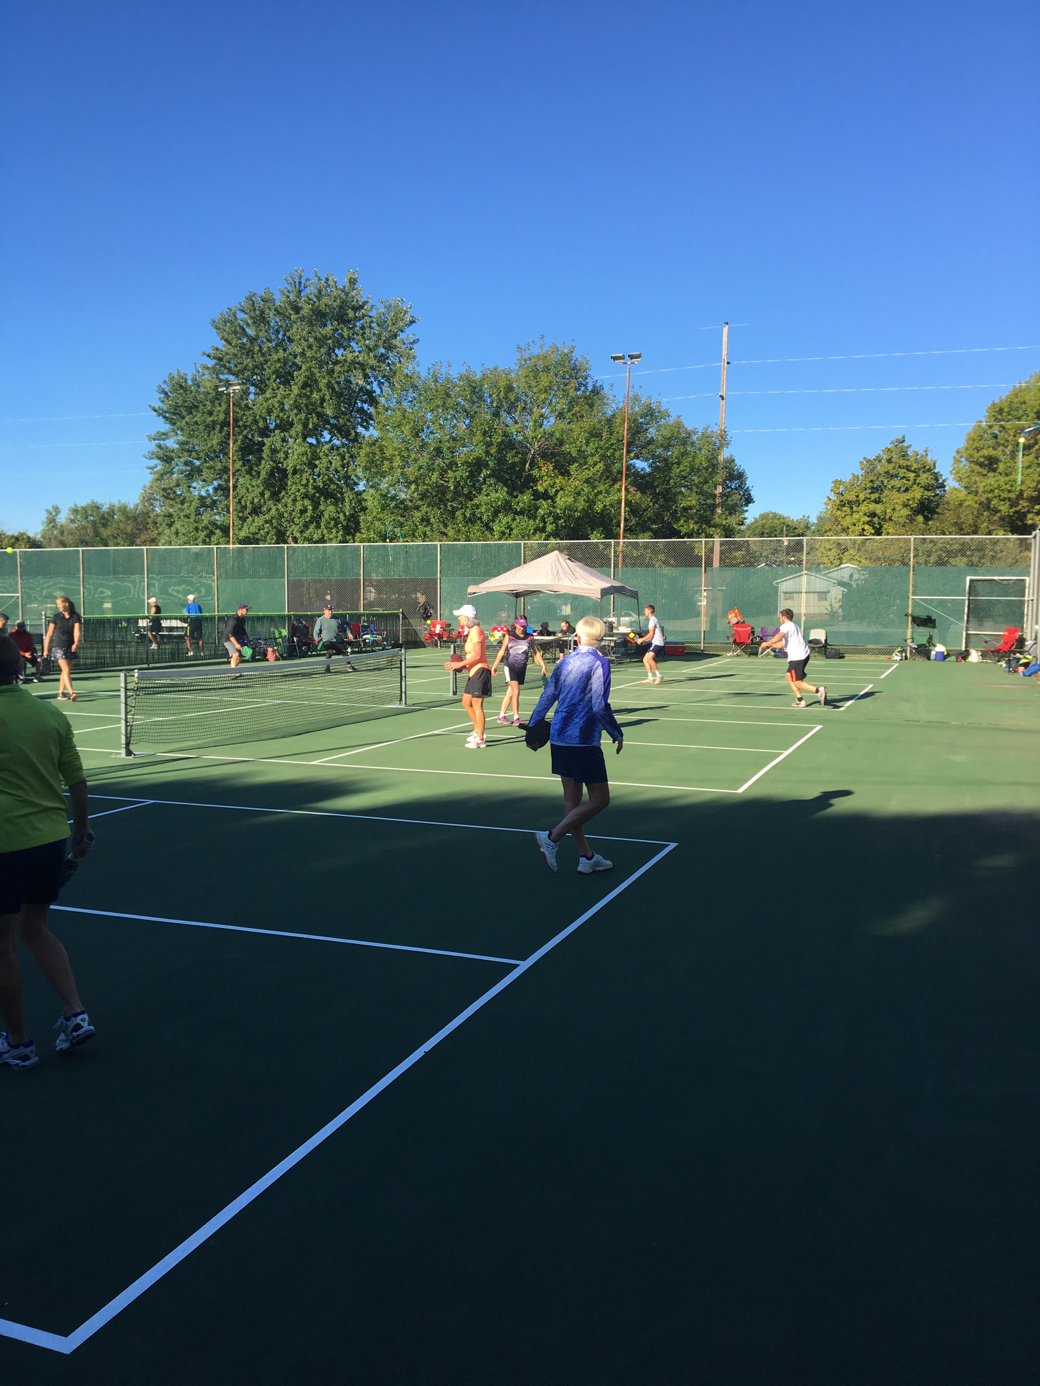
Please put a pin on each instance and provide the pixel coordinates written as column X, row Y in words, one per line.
column 376, row 1098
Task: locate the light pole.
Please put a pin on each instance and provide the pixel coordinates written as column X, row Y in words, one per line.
column 722, row 445
column 231, row 389
column 628, row 360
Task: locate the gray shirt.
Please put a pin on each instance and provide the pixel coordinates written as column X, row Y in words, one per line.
column 327, row 628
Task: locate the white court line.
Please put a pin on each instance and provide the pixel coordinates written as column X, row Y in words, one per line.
column 696, row 746
column 67, row 1344
column 373, row 818
column 86, row 731
column 712, row 721
column 779, row 758
column 542, row 779
column 142, row 803
column 857, row 697
column 357, row 750
column 889, row 671
column 282, row 933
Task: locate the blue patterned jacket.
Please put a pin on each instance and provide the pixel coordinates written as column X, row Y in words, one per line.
column 580, row 684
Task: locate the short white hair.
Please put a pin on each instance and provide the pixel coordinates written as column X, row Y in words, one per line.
column 591, row 629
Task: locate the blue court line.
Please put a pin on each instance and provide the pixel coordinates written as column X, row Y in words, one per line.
column 67, row 1344
column 282, row 933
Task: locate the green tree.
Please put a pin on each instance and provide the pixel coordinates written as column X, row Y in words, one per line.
column 771, row 524
column 313, row 359
column 533, row 451
column 18, row 539
column 100, row 524
column 986, row 498
column 898, row 491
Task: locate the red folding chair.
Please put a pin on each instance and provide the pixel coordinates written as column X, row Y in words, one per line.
column 742, row 637
column 1010, row 643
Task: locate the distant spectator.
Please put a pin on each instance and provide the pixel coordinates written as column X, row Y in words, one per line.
column 193, row 630
column 567, row 629
column 61, row 642
column 26, row 647
column 4, row 618
column 328, row 632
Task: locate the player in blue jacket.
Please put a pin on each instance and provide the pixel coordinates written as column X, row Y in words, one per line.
column 580, row 686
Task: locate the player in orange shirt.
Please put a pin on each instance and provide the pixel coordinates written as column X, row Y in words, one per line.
column 478, row 685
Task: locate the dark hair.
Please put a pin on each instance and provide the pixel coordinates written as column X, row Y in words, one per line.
column 787, row 614
column 10, row 659
column 72, row 607
column 648, row 607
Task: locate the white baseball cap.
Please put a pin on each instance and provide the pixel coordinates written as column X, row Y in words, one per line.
column 191, row 596
column 467, row 610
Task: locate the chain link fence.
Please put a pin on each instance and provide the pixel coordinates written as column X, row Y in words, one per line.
column 867, row 594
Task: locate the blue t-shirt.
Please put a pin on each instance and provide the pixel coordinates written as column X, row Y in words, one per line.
column 193, row 609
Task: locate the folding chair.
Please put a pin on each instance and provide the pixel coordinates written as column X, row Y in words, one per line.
column 1011, row 643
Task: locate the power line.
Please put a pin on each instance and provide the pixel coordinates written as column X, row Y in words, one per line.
column 852, row 390
column 857, row 356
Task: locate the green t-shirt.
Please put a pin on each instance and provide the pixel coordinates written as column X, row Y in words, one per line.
column 37, row 752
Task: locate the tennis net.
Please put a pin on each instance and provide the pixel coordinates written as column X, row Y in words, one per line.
column 197, row 707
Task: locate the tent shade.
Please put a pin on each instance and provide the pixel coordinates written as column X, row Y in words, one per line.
column 554, row 572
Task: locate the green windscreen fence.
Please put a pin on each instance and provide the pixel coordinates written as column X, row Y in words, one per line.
column 862, row 593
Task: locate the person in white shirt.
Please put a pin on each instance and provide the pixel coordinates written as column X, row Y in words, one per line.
column 790, row 638
column 654, row 640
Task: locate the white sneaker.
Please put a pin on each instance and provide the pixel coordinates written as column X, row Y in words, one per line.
column 598, row 863
column 799, row 702
column 471, row 738
column 72, row 1030
column 547, row 848
column 477, row 745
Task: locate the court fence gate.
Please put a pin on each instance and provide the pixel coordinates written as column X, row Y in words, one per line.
column 869, row 594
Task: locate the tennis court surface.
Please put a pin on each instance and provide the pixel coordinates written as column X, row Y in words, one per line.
column 377, row 1098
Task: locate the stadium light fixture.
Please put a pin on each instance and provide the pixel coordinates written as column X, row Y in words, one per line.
column 231, row 389
column 1021, row 444
column 628, row 360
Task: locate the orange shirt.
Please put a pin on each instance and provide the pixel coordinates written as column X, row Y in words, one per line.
column 475, row 653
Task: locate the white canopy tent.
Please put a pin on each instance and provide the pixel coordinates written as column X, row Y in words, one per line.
column 554, row 572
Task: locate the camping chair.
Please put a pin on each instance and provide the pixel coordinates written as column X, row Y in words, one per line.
column 764, row 634
column 742, row 639
column 817, row 642
column 1011, row 643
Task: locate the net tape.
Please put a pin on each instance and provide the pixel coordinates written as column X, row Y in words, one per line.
column 194, row 707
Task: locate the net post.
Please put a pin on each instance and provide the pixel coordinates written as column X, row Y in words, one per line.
column 124, row 719
column 404, row 677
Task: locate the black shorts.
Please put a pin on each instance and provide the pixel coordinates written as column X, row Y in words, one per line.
column 32, row 876
column 584, row 764
column 516, row 675
column 656, row 650
column 797, row 667
column 478, row 685
column 195, row 627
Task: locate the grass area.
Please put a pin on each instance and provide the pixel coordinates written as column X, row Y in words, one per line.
column 766, row 1113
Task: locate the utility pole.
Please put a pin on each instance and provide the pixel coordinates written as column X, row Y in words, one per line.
column 231, row 389
column 722, row 439
column 628, row 359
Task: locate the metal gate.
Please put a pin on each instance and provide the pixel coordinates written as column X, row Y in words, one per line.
column 991, row 604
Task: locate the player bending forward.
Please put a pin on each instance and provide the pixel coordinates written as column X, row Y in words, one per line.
column 790, row 638
column 580, row 685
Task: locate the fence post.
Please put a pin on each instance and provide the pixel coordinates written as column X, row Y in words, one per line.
column 82, row 591
column 910, row 602
column 404, row 676
column 1032, row 621
column 216, row 601
column 145, row 603
column 438, row 579
column 285, row 556
column 704, row 588
column 805, row 544
column 18, row 560
column 361, row 598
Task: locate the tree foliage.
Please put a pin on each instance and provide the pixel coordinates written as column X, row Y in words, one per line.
column 898, row 491
column 313, row 358
column 986, row 498
column 772, row 524
column 100, row 524
column 534, row 450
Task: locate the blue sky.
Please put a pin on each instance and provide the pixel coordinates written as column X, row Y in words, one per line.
column 844, row 180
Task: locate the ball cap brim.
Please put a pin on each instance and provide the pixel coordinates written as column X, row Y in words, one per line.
column 467, row 610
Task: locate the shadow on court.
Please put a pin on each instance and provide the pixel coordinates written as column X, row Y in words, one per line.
column 769, row 1119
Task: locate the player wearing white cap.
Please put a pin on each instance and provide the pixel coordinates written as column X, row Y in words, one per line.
column 478, row 683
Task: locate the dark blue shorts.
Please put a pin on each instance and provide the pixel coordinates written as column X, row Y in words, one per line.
column 32, row 876
column 585, row 764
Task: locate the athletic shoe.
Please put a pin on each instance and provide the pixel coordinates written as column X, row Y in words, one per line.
column 799, row 702
column 547, row 848
column 191, row 654
column 659, row 678
column 504, row 719
column 598, row 863
column 72, row 1030
column 823, row 695
column 517, row 722
column 477, row 745
column 471, row 738
column 18, row 1055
